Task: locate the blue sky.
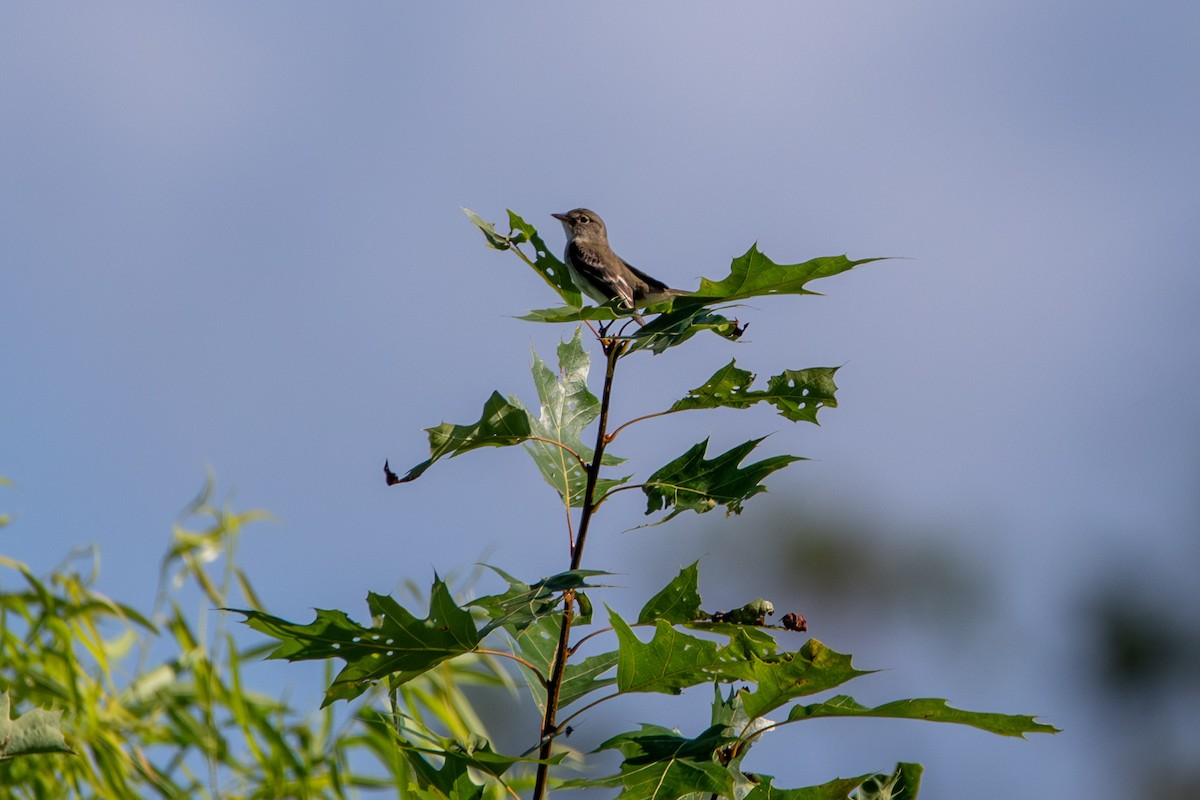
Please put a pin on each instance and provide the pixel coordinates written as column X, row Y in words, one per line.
column 230, row 237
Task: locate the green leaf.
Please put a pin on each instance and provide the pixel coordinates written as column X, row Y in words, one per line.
column 451, row 781
column 836, row 789
column 495, row 240
column 660, row 764
column 537, row 643
column 571, row 314
column 813, row 668
column 692, row 483
column 678, row 601
column 553, row 271
column 523, row 603
column 398, row 645
column 36, row 731
column 754, row 275
column 903, row 784
column 502, row 424
column 798, row 393
column 581, row 678
column 567, row 408
column 930, row 709
column 672, row 661
column 550, row 268
column 682, row 323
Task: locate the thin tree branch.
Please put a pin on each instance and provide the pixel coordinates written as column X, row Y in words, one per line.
column 613, row 349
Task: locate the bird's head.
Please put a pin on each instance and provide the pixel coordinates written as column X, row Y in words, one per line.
column 580, row 223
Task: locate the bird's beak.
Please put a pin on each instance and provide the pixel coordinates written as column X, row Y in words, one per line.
column 560, row 217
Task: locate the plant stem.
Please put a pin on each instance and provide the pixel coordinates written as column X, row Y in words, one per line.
column 613, row 348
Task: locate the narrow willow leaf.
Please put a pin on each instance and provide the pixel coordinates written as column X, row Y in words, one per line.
column 693, row 483
column 398, row 645
column 931, row 709
column 677, row 602
column 36, row 731
column 754, row 275
column 660, row 764
column 502, row 424
column 813, row 668
column 798, row 393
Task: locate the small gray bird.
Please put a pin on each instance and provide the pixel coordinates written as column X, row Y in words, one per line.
column 599, row 272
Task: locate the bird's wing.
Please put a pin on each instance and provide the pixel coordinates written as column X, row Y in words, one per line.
column 606, row 277
column 653, row 285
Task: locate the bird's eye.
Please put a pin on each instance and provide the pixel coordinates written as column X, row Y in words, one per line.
column 583, row 219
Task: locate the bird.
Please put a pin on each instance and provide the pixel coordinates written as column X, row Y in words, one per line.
column 599, row 272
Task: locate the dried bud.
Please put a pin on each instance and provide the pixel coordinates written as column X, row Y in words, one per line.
column 794, row 622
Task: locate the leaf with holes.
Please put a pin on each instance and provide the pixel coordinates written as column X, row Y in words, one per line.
column 553, row 271
column 399, row 645
column 677, row 602
column 798, row 393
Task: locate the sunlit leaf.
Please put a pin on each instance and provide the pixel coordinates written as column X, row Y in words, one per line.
column 930, row 709
column 692, row 483
column 567, row 407
column 36, row 731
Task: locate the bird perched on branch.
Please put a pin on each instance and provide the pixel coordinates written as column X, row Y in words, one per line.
column 600, row 273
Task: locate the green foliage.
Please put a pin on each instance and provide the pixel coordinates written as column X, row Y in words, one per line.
column 681, row 645
column 190, row 725
column 111, row 702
